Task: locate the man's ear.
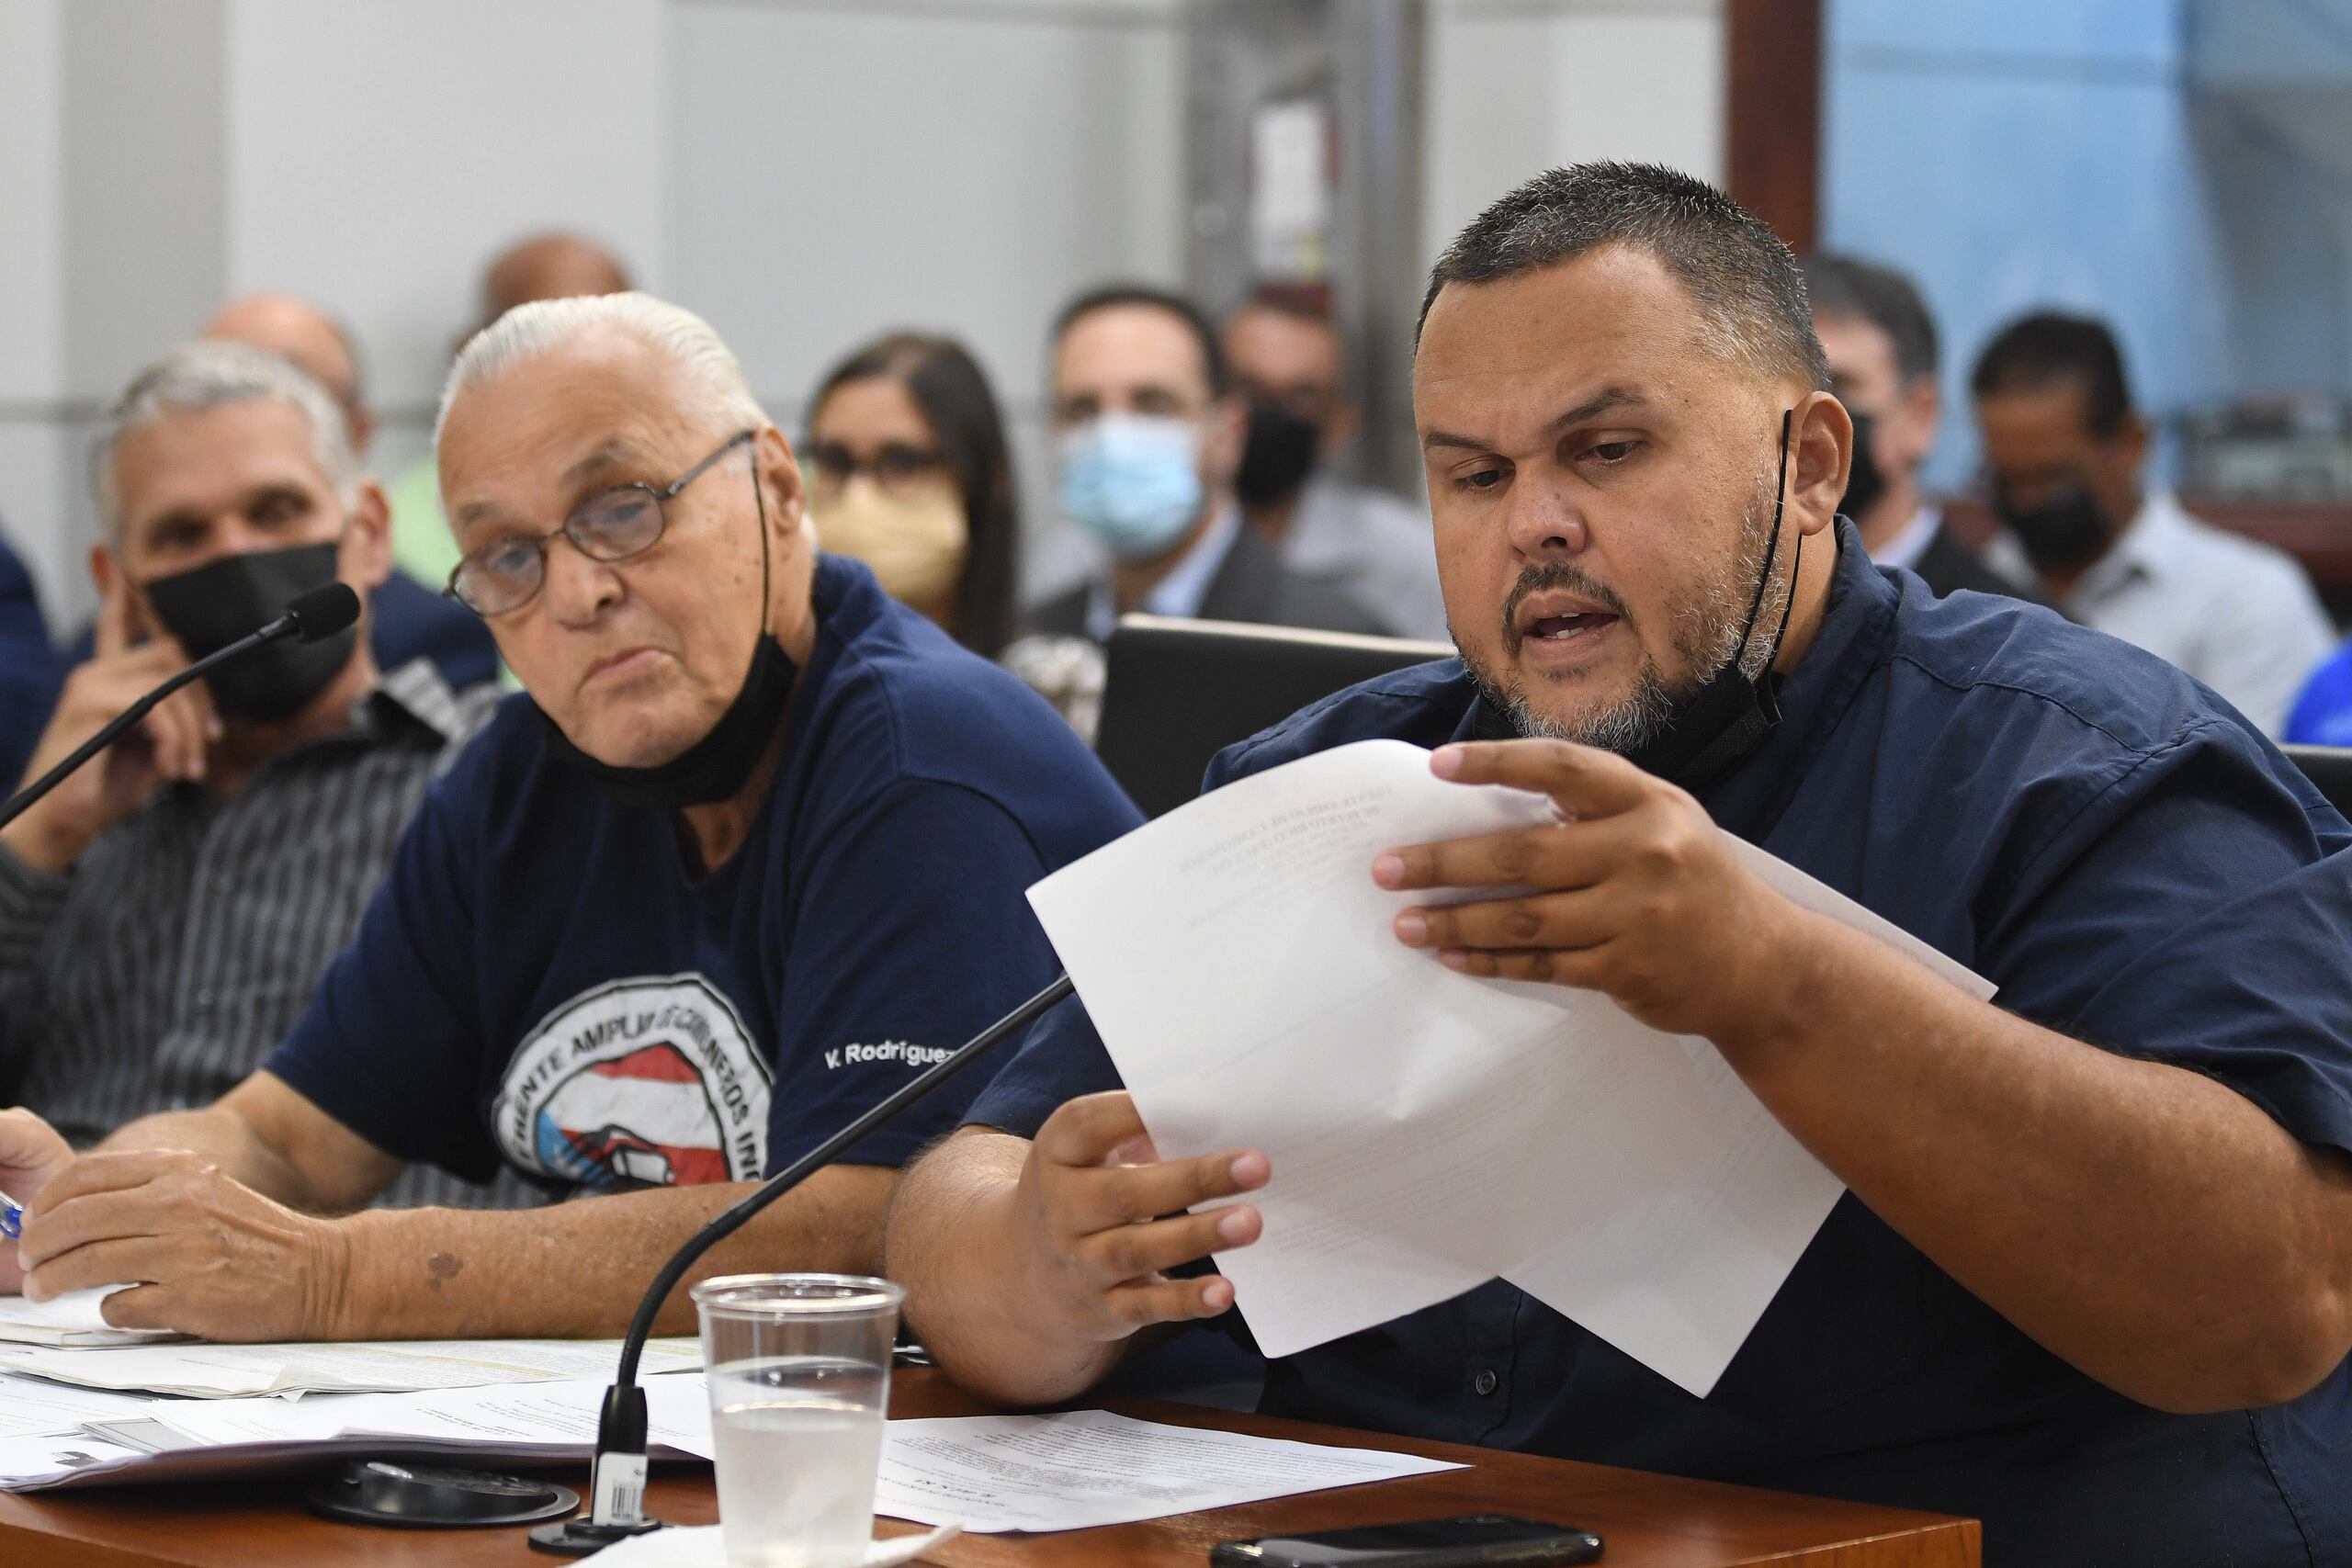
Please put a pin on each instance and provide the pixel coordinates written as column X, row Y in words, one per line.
column 783, row 492
column 365, row 557
column 1821, row 453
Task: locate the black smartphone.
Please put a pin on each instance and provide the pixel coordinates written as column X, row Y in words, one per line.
column 1472, row 1540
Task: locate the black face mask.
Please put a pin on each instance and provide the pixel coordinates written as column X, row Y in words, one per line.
column 217, row 604
column 1729, row 716
column 714, row 767
column 1865, row 481
column 2060, row 534
column 1279, row 456
column 718, row 766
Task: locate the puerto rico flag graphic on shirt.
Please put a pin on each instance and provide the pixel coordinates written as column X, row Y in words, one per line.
column 644, row 1082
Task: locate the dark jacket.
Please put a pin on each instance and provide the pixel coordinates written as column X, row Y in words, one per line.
column 1947, row 566
column 1251, row 584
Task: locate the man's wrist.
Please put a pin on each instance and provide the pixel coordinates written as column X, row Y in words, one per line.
column 1812, row 967
column 343, row 1296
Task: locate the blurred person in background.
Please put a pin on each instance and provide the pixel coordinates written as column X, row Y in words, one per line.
column 910, row 473
column 29, row 668
column 2063, row 456
column 166, row 911
column 1882, row 346
column 406, row 620
column 1289, row 363
column 1148, row 434
column 551, row 265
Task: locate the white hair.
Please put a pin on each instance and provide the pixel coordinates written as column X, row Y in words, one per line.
column 210, row 374
column 544, row 325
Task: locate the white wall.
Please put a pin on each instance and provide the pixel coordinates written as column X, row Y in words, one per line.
column 805, row 173
column 1517, row 86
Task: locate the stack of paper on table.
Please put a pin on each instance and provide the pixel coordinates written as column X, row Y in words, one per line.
column 222, row 1371
column 191, row 1439
column 71, row 1319
column 1429, row 1131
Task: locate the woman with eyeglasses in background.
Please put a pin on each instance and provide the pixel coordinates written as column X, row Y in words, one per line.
column 908, row 473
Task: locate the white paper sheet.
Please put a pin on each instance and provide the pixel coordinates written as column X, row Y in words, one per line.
column 233, row 1372
column 31, row 1408
column 1429, row 1131
column 1085, row 1468
column 704, row 1547
column 71, row 1319
column 180, row 1440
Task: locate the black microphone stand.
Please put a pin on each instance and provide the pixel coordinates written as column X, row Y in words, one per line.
column 320, row 612
column 616, row 1479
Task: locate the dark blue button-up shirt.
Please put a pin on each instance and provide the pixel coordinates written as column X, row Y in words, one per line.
column 2132, row 864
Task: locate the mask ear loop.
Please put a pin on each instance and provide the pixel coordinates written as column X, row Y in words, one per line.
column 760, row 500
column 1797, row 552
column 1771, row 550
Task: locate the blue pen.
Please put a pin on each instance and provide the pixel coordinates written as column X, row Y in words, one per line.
column 12, row 1218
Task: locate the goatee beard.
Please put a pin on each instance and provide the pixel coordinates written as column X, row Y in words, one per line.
column 1707, row 630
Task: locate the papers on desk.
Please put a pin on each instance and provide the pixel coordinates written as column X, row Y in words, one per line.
column 71, row 1319
column 1089, row 1467
column 30, row 1408
column 1429, row 1131
column 182, row 1441
column 223, row 1372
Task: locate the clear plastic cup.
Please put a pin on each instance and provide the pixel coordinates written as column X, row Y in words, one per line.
column 799, row 1372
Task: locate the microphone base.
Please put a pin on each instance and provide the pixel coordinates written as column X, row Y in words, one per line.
column 577, row 1536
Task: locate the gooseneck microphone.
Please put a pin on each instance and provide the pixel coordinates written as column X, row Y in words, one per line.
column 617, row 1482
column 312, row 616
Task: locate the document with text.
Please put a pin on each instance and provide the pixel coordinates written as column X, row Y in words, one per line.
column 73, row 1319
column 1429, row 1131
column 1084, row 1468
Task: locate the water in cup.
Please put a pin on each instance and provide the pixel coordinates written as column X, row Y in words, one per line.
column 799, row 1440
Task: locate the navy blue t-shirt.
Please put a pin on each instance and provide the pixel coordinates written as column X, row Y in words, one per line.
column 2133, row 865
column 542, row 980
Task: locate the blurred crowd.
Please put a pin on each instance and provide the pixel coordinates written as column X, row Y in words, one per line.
column 1203, row 456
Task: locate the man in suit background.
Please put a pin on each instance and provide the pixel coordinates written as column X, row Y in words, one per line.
column 1881, row 347
column 1148, row 434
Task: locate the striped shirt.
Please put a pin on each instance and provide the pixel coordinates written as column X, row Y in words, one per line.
column 158, row 972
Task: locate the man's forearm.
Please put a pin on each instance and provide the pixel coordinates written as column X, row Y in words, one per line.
column 576, row 1269
column 229, row 1142
column 2150, row 1226
column 951, row 1243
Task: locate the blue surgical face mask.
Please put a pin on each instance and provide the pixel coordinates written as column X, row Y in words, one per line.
column 1133, row 482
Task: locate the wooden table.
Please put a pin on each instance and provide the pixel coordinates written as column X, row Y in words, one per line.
column 1648, row 1521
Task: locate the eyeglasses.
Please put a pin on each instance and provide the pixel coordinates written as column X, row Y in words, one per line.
column 610, row 526
column 897, row 468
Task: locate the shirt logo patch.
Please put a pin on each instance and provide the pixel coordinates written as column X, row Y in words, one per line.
column 644, row 1082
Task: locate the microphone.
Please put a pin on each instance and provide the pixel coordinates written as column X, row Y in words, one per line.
column 312, row 616
column 617, row 1479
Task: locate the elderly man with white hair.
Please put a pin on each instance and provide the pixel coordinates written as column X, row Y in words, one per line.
column 748, row 853
column 165, row 913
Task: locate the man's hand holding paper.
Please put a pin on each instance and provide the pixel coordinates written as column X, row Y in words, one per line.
column 1634, row 893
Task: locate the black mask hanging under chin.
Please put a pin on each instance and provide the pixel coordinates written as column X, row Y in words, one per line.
column 1729, row 716
column 714, row 767
column 718, row 766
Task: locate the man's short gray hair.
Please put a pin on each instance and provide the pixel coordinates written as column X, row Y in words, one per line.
column 544, row 325
column 1747, row 285
column 210, row 374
